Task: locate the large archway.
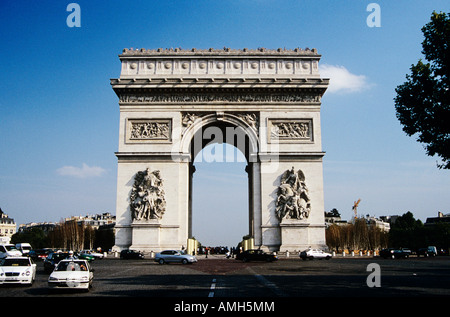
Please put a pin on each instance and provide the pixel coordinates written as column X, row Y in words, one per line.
column 175, row 102
column 209, row 131
column 220, row 190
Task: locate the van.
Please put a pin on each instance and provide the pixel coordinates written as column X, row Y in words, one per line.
column 23, row 247
column 9, row 250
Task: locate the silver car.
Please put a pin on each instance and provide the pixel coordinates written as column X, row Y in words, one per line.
column 174, row 256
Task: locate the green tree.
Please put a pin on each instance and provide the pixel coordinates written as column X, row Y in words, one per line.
column 406, row 232
column 332, row 213
column 36, row 237
column 423, row 101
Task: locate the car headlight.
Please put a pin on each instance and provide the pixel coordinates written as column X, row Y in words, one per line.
column 51, row 278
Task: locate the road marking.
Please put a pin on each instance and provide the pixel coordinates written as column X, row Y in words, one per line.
column 212, row 288
column 266, row 283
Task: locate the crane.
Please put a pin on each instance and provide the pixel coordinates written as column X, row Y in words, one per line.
column 355, row 207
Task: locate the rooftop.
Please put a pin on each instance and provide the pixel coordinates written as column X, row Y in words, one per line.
column 222, row 52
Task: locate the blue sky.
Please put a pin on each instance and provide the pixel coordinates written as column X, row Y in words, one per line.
column 60, row 117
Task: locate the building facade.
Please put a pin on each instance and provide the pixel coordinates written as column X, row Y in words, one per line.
column 7, row 227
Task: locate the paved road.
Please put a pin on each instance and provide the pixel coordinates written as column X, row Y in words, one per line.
column 218, row 278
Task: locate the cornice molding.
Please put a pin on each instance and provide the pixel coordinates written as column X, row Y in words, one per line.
column 130, row 52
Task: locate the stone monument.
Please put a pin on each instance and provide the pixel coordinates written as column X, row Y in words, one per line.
column 265, row 102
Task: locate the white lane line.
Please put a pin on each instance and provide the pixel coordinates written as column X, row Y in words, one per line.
column 212, row 288
column 267, row 283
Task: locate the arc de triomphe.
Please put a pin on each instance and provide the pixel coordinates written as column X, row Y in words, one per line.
column 265, row 102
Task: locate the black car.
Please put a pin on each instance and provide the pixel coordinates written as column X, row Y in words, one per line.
column 53, row 259
column 427, row 252
column 395, row 253
column 255, row 255
column 131, row 254
column 39, row 255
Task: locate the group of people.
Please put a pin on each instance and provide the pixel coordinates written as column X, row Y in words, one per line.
column 229, row 252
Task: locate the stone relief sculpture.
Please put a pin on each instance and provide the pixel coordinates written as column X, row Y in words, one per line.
column 290, row 130
column 188, row 119
column 147, row 196
column 149, row 130
column 293, row 200
column 251, row 119
column 205, row 97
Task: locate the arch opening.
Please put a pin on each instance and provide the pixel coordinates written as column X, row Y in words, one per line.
column 221, row 184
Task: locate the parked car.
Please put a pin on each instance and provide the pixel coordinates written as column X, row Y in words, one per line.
column 173, row 256
column 426, row 252
column 53, row 259
column 73, row 274
column 9, row 250
column 131, row 254
column 256, row 255
column 394, row 253
column 311, row 254
column 96, row 255
column 20, row 270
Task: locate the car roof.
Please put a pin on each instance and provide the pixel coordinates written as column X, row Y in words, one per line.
column 72, row 260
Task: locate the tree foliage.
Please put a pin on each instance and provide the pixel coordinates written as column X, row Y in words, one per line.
column 408, row 232
column 423, row 101
column 355, row 236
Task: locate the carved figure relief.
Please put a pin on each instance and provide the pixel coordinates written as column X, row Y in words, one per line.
column 220, row 98
column 251, row 119
column 188, row 119
column 293, row 200
column 149, row 130
column 147, row 196
column 290, row 130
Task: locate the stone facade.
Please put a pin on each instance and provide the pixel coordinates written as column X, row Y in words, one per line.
column 265, row 102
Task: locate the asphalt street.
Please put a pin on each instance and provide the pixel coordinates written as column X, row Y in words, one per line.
column 217, row 277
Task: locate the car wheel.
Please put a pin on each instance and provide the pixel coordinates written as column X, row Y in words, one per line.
column 184, row 261
column 161, row 261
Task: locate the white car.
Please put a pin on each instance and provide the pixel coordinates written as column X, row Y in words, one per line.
column 71, row 273
column 9, row 250
column 20, row 270
column 315, row 254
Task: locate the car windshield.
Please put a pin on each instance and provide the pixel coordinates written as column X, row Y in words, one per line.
column 10, row 248
column 71, row 266
column 15, row 262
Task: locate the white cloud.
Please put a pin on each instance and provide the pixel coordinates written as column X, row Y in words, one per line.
column 84, row 172
column 341, row 80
